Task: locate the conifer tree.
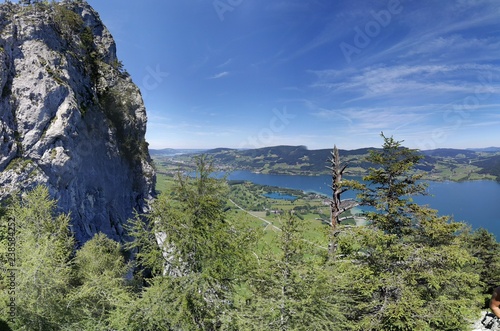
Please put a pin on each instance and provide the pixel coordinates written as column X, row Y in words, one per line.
column 195, row 255
column 483, row 245
column 393, row 182
column 100, row 292
column 292, row 288
column 42, row 270
column 413, row 270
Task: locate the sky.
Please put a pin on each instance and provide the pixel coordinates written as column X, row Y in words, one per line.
column 319, row 73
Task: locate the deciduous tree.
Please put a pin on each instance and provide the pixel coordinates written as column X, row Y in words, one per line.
column 100, row 292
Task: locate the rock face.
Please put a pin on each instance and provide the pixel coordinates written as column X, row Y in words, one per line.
column 70, row 117
column 478, row 325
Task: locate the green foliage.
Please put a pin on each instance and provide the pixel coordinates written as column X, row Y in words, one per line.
column 199, row 269
column 200, row 258
column 79, row 37
column 416, row 273
column 291, row 288
column 43, row 246
column 391, row 186
column 100, row 292
column 67, row 21
column 119, row 109
column 483, row 245
column 404, row 285
column 19, row 164
column 53, row 288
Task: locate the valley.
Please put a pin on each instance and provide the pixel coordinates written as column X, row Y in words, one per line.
column 247, row 201
column 437, row 165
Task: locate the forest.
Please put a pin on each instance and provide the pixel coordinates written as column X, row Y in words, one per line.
column 191, row 265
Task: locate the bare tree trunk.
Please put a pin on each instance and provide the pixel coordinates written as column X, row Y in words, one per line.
column 336, row 206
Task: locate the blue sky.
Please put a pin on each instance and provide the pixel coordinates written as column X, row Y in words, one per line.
column 254, row 73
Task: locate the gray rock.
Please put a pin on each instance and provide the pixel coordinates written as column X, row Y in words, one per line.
column 478, row 325
column 70, row 119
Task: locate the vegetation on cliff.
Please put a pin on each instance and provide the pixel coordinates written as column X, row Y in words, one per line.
column 72, row 119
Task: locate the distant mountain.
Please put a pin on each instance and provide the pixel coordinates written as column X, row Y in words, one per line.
column 439, row 164
column 449, row 152
column 219, row 150
column 490, row 165
column 486, row 150
column 282, row 159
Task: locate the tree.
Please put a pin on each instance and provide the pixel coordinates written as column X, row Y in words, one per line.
column 339, row 187
column 100, row 293
column 291, row 287
column 391, row 187
column 413, row 272
column 194, row 253
column 42, row 270
column 484, row 246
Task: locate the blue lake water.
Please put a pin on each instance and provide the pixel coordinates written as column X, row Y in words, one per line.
column 475, row 202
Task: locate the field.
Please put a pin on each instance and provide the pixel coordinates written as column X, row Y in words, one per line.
column 247, row 203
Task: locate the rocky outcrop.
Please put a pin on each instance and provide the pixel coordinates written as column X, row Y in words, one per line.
column 492, row 323
column 70, row 117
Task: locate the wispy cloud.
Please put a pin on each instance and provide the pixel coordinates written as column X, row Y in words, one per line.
column 219, row 75
column 455, row 45
column 402, row 80
column 225, row 63
column 376, row 118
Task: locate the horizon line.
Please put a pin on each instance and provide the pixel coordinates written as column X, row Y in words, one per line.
column 313, row 149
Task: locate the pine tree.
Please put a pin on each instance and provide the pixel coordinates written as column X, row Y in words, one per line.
column 484, row 246
column 392, row 185
column 413, row 272
column 194, row 253
column 291, row 288
column 100, row 292
column 42, row 270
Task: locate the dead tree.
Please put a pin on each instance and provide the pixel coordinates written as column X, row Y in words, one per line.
column 337, row 206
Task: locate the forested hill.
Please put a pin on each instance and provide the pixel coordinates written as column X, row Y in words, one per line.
column 439, row 164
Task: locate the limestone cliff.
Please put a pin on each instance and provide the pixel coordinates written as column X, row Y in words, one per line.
column 70, row 117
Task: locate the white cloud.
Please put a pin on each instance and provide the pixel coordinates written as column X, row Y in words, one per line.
column 456, row 45
column 403, row 80
column 225, row 63
column 219, row 75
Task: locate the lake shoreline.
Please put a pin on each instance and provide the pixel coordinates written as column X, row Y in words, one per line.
column 474, row 202
column 429, row 178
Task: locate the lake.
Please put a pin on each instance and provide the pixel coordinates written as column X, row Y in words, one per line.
column 475, row 202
